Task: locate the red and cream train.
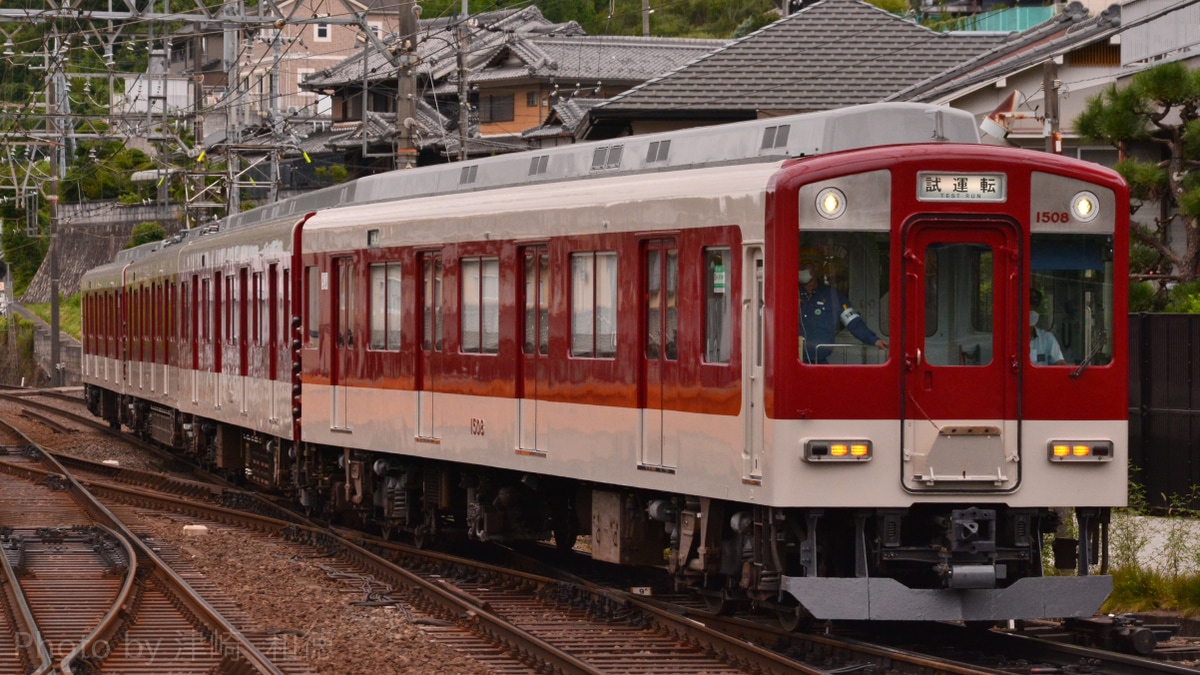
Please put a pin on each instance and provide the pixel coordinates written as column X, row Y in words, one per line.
column 602, row 339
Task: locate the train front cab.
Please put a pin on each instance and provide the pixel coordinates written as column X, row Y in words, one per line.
column 921, row 480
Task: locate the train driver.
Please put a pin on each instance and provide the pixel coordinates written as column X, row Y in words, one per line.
column 1043, row 346
column 821, row 310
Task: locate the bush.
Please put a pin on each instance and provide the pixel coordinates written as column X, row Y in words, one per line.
column 146, row 232
column 1136, row 589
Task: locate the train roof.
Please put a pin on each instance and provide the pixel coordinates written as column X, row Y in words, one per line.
column 765, row 140
column 611, row 204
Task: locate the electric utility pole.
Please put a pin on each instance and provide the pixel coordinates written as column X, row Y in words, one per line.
column 464, row 96
column 1050, row 84
column 406, row 84
column 53, row 76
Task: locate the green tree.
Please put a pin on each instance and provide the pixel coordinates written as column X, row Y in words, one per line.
column 146, row 232
column 1161, row 106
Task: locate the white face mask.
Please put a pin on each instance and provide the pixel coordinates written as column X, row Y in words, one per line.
column 805, row 276
column 1033, row 318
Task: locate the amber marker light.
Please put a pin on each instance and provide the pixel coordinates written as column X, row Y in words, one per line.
column 840, row 450
column 1087, row 452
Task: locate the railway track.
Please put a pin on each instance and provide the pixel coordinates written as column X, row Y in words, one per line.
column 605, row 630
column 87, row 595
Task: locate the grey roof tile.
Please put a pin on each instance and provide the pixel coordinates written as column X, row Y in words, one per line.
column 831, row 54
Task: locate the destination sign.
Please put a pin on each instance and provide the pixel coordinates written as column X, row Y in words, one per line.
column 960, row 187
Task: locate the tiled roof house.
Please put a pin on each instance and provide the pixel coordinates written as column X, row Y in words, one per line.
column 520, row 65
column 831, row 54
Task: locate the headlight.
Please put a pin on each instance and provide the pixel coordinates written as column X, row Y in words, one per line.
column 837, row 450
column 1080, row 451
column 831, row 203
column 1085, row 206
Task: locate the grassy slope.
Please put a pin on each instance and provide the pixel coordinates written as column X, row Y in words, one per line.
column 69, row 315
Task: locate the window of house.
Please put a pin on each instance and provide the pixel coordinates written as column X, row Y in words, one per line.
column 531, row 99
column 480, row 308
column 321, row 32
column 496, row 108
column 312, row 290
column 301, row 75
column 385, row 306
column 594, row 304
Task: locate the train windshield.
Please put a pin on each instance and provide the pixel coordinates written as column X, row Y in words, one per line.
column 843, row 297
column 1071, row 299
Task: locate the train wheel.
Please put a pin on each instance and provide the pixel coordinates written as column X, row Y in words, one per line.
column 793, row 619
column 716, row 602
column 566, row 531
column 423, row 538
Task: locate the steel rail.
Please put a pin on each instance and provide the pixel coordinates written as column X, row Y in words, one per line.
column 26, row 624
column 246, row 656
column 113, row 620
column 23, row 398
column 736, row 639
column 490, row 625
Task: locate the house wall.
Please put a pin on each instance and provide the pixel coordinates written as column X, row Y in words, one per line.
column 525, row 116
column 306, row 48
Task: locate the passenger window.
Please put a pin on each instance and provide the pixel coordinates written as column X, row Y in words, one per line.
column 312, row 291
column 377, row 306
column 594, row 304
column 480, row 308
column 718, row 340
column 843, row 293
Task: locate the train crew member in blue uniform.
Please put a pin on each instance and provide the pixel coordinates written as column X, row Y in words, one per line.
column 822, row 309
column 1043, row 346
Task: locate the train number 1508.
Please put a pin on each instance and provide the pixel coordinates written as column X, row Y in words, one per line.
column 1053, row 217
column 476, row 426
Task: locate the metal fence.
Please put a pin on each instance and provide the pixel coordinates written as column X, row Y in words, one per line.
column 1164, row 404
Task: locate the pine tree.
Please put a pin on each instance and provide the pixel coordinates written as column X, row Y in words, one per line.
column 1161, row 106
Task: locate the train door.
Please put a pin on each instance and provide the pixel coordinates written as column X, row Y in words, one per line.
column 194, row 325
column 430, row 317
column 155, row 325
column 216, row 310
column 244, row 303
column 961, row 302
column 752, row 356
column 660, row 350
column 343, row 337
column 535, row 348
column 270, row 314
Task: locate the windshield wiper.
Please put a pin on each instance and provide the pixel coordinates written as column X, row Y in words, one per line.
column 1101, row 340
